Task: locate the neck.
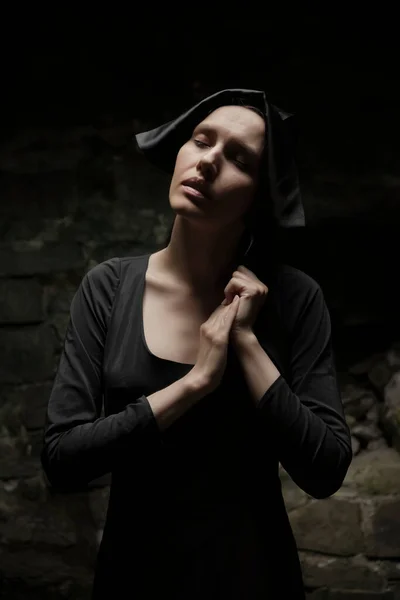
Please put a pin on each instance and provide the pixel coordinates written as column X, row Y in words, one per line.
column 201, row 260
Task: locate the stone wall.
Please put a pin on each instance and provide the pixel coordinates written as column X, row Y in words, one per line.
column 350, row 543
column 71, row 198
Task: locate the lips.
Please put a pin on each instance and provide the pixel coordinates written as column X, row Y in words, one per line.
column 197, row 187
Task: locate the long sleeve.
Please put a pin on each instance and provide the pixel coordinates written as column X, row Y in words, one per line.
column 304, row 414
column 78, row 444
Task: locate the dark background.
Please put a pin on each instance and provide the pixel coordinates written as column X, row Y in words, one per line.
column 336, row 71
column 75, row 85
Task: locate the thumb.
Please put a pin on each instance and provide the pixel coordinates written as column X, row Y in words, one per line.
column 229, row 299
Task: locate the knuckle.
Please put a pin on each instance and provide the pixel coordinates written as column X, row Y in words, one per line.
column 210, row 335
column 219, row 340
column 214, row 336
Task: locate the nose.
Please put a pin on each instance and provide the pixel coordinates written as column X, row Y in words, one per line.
column 207, row 164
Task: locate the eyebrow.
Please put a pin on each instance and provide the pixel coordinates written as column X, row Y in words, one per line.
column 209, row 129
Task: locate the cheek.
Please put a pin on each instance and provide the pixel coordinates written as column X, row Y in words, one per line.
column 237, row 192
column 183, row 160
column 239, row 187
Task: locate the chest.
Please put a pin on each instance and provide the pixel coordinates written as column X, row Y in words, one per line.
column 171, row 323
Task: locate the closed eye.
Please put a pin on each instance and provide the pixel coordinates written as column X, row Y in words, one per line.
column 200, row 144
column 241, row 164
column 244, row 166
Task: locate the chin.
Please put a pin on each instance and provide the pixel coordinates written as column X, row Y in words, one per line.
column 181, row 204
column 187, row 213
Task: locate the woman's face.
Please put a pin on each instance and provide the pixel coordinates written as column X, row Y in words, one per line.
column 216, row 170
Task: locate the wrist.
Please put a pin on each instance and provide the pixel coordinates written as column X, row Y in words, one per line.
column 243, row 338
column 196, row 383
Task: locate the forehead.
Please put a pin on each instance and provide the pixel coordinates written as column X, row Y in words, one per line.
column 237, row 121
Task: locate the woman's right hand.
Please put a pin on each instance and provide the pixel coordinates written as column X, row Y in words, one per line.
column 213, row 347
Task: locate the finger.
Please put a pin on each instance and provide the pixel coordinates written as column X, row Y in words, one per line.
column 235, row 286
column 247, row 274
column 240, row 275
column 230, row 313
column 234, row 305
column 216, row 314
column 244, row 270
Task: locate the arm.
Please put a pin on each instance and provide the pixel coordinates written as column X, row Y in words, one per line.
column 78, row 444
column 305, row 415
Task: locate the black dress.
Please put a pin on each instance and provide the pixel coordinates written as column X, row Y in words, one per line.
column 195, row 511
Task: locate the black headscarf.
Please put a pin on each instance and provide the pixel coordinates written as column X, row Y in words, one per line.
column 278, row 200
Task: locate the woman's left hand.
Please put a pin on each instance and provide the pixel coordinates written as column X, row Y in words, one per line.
column 252, row 293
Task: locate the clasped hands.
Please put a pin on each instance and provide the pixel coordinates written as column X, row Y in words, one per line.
column 252, row 294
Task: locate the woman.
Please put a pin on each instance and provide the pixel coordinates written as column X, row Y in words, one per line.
column 212, row 373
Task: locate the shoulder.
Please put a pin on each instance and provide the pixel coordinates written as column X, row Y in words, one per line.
column 110, row 271
column 104, row 276
column 100, row 284
column 297, row 295
column 97, row 288
column 292, row 281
